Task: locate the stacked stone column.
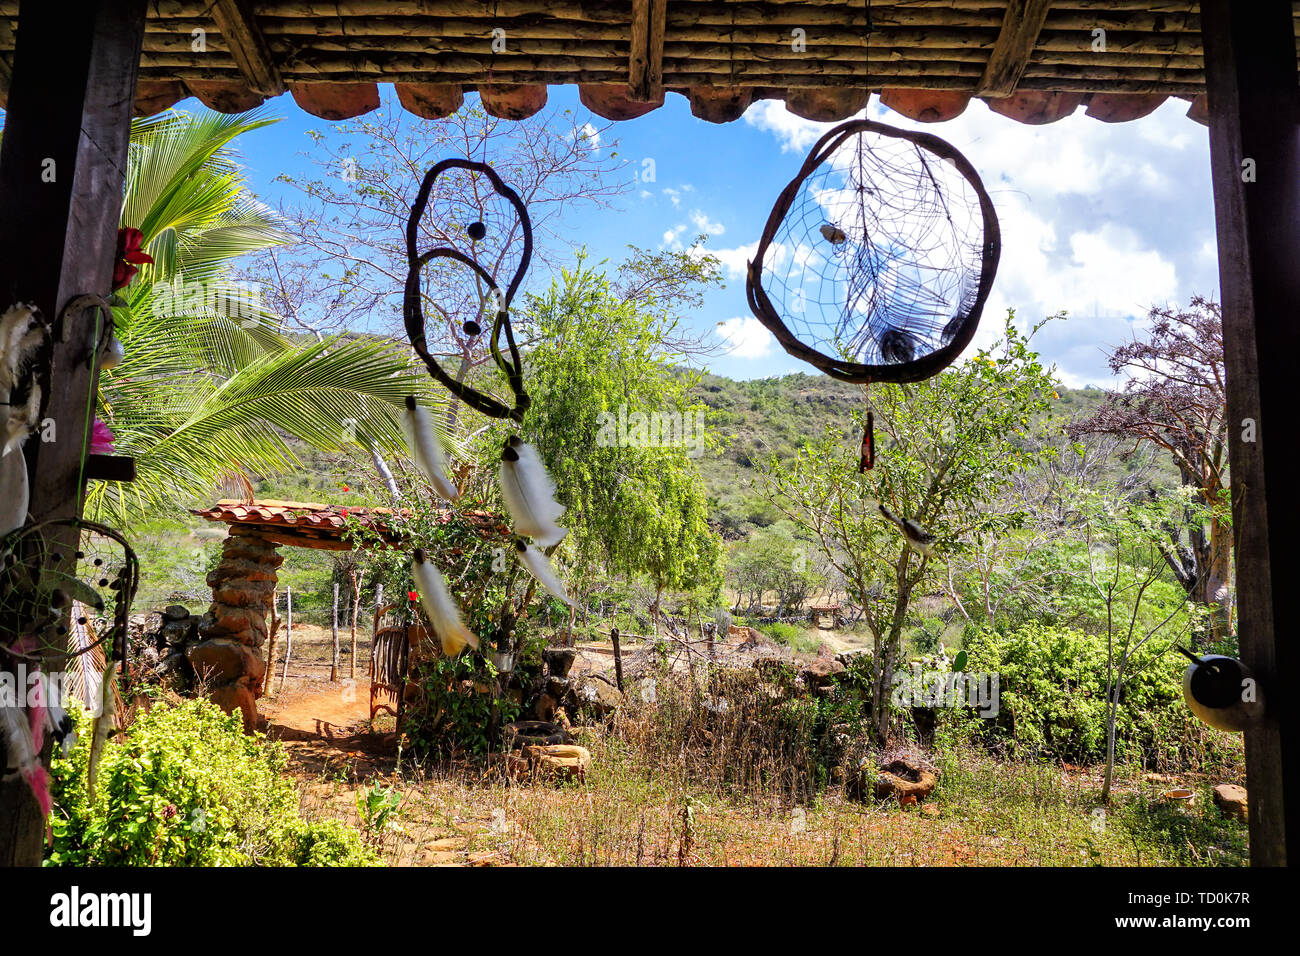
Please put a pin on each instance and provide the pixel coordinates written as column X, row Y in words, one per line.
column 229, row 660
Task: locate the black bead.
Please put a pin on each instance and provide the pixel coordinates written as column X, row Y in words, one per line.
column 476, row 231
column 472, row 328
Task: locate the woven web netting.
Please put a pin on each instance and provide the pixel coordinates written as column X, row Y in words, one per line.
column 878, row 259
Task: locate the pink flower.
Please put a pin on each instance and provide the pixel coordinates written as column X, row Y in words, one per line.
column 101, row 439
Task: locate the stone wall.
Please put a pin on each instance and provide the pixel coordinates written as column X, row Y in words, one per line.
column 229, row 660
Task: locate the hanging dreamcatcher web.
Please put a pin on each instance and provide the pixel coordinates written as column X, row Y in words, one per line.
column 877, row 258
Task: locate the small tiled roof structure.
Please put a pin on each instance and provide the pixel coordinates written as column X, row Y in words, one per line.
column 307, row 524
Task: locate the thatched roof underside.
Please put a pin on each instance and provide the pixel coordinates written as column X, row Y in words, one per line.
column 1033, row 60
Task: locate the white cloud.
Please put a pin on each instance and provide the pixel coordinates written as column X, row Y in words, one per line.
column 746, row 337
column 706, row 225
column 674, row 194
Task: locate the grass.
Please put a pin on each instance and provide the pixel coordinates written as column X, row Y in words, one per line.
column 672, row 786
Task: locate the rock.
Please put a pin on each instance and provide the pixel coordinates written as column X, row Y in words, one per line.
column 534, row 733
column 561, row 761
column 559, row 660
column 743, row 634
column 1231, row 801
column 557, row 687
column 544, row 708
column 222, row 660
column 232, row 697
column 821, row 672
column 597, row 697
column 175, row 612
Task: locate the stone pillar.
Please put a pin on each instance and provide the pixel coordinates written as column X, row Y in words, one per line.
column 229, row 658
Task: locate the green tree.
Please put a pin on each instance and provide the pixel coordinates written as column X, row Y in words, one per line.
column 945, row 448
column 210, row 387
column 613, row 421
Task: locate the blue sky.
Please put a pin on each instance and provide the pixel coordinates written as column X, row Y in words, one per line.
column 1100, row 220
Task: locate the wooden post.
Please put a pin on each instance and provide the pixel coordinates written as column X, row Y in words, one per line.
column 62, row 166
column 334, row 660
column 272, row 628
column 288, row 634
column 618, row 658
column 357, row 579
column 1250, row 66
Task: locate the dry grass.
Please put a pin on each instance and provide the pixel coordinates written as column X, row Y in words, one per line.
column 683, row 782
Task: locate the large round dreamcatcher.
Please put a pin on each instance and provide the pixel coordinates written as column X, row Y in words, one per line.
column 496, row 221
column 876, row 261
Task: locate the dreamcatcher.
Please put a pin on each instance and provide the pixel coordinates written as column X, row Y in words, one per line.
column 876, row 261
column 499, row 217
column 66, row 587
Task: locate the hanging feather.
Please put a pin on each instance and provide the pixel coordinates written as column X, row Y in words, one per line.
column 102, row 727
column 916, row 536
column 14, row 492
column 22, row 333
column 440, row 608
column 24, row 755
column 529, row 494
column 422, row 440
column 540, row 568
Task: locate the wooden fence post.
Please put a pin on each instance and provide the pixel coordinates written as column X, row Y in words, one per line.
column 288, row 633
column 334, row 627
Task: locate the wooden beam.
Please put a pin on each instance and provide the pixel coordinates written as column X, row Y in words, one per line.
column 1021, row 25
column 1254, row 106
column 62, row 168
column 248, row 47
column 645, row 70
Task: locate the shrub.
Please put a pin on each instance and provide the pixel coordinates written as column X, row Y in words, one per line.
column 185, row 786
column 1052, row 684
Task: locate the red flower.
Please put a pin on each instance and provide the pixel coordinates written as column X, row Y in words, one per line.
column 130, row 255
column 345, row 512
column 412, row 595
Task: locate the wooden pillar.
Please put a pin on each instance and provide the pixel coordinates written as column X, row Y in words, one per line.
column 62, row 166
column 1250, row 65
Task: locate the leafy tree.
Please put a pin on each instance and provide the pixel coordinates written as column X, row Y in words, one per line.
column 946, row 447
column 773, row 559
column 1175, row 400
column 611, row 417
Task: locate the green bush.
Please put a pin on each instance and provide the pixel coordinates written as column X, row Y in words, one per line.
column 187, row 787
column 1052, row 684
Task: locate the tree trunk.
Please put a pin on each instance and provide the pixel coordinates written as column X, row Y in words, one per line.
column 1217, row 595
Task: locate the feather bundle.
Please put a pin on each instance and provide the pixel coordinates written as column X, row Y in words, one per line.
column 102, row 727
column 529, row 494
column 24, row 754
column 22, row 333
column 442, row 611
column 422, row 440
column 14, row 491
column 916, row 536
column 540, row 568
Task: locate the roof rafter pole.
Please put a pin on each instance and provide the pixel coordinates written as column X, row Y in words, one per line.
column 1015, row 44
column 1254, row 106
column 645, row 71
column 248, row 47
column 62, row 166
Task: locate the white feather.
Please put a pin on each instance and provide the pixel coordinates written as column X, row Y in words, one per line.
column 422, row 440
column 18, row 737
column 529, row 494
column 442, row 611
column 21, row 334
column 540, row 568
column 14, row 492
column 102, row 726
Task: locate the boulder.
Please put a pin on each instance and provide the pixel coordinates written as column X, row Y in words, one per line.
column 559, row 660
column 222, row 660
column 236, row 696
column 1231, row 801
column 561, row 761
column 598, row 697
column 544, row 708
column 821, row 672
column 175, row 612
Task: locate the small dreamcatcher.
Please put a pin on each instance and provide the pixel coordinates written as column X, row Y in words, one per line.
column 66, row 587
column 876, row 261
column 499, row 218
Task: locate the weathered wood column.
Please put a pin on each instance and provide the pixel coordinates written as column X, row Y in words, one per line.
column 62, row 166
column 1254, row 103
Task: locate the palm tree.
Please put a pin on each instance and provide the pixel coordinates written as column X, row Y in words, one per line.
column 210, row 390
